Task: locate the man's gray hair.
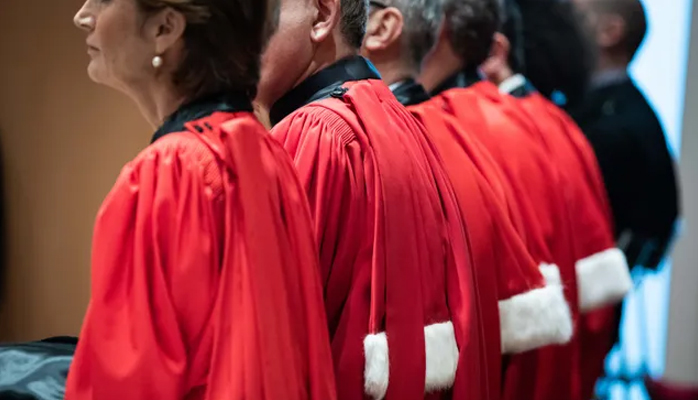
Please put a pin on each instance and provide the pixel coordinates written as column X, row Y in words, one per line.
column 422, row 20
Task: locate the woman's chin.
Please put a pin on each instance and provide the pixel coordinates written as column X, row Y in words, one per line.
column 94, row 72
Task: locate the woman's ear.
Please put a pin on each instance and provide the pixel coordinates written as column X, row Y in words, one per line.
column 166, row 28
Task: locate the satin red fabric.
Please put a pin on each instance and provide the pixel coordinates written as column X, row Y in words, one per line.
column 204, row 276
column 591, row 217
column 538, row 189
column 388, row 227
column 503, row 270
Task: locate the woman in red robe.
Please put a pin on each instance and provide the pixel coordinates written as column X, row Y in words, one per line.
column 205, row 280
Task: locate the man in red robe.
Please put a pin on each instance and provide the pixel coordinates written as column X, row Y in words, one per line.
column 602, row 271
column 399, row 35
column 401, row 302
column 451, row 73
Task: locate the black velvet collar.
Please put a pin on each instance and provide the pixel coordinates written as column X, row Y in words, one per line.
column 409, row 92
column 322, row 85
column 197, row 109
column 461, row 79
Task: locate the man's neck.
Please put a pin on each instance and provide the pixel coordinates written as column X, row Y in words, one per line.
column 610, row 68
column 441, row 64
column 502, row 75
column 324, row 58
column 327, row 54
column 394, row 71
column 612, row 62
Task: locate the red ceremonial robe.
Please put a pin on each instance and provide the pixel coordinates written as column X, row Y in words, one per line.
column 602, row 272
column 502, row 263
column 397, row 289
column 538, row 188
column 204, row 271
column 531, row 313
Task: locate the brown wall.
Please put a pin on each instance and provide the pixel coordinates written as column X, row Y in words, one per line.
column 63, row 141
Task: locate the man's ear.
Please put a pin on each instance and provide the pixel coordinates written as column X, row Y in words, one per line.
column 384, row 28
column 500, row 48
column 499, row 56
column 611, row 30
column 444, row 32
column 165, row 28
column 327, row 16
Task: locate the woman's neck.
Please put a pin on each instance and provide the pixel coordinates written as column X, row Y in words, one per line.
column 156, row 103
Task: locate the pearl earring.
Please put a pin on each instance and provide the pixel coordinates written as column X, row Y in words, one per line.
column 157, row 62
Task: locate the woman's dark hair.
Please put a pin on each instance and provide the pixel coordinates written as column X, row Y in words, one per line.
column 224, row 40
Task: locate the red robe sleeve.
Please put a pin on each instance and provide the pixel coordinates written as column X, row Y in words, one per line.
column 602, row 271
column 536, row 187
column 337, row 178
column 382, row 244
column 603, row 276
column 204, row 278
column 155, row 269
column 499, row 254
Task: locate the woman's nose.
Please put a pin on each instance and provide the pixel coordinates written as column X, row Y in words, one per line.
column 84, row 19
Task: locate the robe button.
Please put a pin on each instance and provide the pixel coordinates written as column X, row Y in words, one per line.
column 339, row 92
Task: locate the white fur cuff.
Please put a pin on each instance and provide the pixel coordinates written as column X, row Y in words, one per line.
column 537, row 318
column 441, row 360
column 603, row 279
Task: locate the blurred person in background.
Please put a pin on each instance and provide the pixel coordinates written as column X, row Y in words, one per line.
column 626, row 134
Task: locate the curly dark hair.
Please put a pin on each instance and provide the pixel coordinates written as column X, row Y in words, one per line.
column 224, row 40
column 471, row 25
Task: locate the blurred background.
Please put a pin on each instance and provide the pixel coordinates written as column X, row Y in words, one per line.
column 63, row 140
column 659, row 329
